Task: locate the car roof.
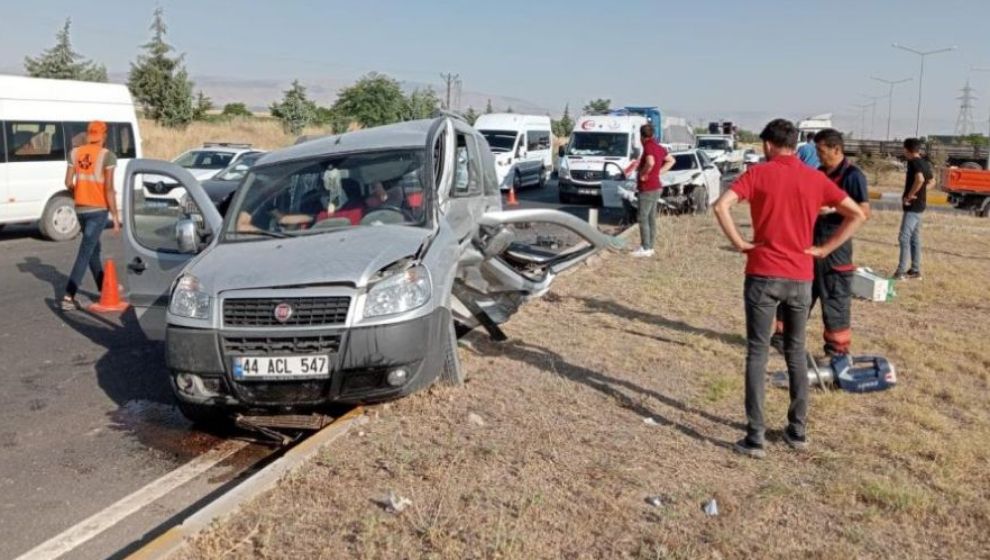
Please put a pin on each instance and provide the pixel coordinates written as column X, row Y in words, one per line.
column 410, row 134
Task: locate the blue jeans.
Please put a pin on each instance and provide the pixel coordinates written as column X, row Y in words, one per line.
column 910, row 240
column 92, row 225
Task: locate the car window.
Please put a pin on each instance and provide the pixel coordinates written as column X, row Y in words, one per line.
column 154, row 223
column 466, row 173
column 120, row 138
column 489, row 177
column 684, row 161
column 306, row 196
column 34, row 141
column 204, row 159
column 538, row 140
column 500, row 140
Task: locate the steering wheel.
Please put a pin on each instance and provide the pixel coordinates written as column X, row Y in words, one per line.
column 387, row 215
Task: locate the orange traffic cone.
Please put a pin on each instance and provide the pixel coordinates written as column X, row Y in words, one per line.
column 110, row 300
column 512, row 197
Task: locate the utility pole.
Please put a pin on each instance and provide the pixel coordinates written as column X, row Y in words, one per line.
column 964, row 122
column 921, row 75
column 449, row 79
column 890, row 97
column 975, row 69
column 873, row 112
column 862, row 119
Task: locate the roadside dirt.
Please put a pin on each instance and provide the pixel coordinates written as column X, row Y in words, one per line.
column 546, row 451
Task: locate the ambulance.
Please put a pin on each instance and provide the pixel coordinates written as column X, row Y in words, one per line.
column 597, row 139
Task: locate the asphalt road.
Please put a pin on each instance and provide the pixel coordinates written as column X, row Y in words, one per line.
column 86, row 414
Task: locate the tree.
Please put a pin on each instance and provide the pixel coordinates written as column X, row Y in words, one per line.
column 236, row 110
column 159, row 82
column 295, row 111
column 562, row 128
column 374, row 100
column 488, row 108
column 596, row 106
column 470, row 116
column 62, row 63
column 422, row 104
column 203, row 106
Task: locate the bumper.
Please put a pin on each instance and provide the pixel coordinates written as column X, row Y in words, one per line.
column 567, row 186
column 361, row 359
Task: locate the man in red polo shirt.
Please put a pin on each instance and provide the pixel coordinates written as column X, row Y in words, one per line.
column 785, row 197
column 655, row 162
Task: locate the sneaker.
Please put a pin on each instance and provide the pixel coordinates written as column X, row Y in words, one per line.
column 749, row 449
column 641, row 252
column 913, row 275
column 794, row 441
column 900, row 276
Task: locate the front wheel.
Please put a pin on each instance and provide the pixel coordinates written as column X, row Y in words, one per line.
column 699, row 198
column 59, row 222
column 984, row 208
column 452, row 373
column 205, row 416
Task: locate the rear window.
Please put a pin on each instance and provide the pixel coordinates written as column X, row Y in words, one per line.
column 34, row 141
column 204, row 159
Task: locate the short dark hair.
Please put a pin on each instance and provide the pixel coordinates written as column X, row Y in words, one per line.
column 646, row 131
column 809, row 136
column 781, row 133
column 912, row 145
column 830, row 137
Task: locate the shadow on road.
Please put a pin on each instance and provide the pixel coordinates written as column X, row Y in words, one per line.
column 547, row 360
column 50, row 274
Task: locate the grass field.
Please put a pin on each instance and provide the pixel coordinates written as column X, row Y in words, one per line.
column 562, row 462
column 165, row 143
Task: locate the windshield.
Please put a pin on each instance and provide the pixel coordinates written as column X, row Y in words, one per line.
column 311, row 196
column 500, row 140
column 713, row 144
column 599, row 144
column 204, row 159
column 684, row 162
column 238, row 170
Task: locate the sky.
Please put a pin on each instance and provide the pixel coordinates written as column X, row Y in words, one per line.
column 746, row 60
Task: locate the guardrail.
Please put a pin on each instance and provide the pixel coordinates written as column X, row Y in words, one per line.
column 955, row 154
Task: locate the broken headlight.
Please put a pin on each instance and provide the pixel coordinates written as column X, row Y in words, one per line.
column 189, row 299
column 398, row 293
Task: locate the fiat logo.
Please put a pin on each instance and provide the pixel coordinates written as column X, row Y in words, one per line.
column 283, row 312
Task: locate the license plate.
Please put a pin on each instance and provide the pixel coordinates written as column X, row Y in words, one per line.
column 156, row 203
column 282, row 367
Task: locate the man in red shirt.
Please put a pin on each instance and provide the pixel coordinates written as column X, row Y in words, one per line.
column 785, row 197
column 655, row 161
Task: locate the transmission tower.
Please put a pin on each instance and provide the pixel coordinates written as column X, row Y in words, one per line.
column 965, row 122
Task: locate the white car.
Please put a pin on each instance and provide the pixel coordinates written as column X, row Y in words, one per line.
column 691, row 185
column 203, row 163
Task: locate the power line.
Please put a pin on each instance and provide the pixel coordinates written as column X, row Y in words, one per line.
column 451, row 80
column 964, row 122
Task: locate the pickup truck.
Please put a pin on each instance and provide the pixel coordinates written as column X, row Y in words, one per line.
column 722, row 150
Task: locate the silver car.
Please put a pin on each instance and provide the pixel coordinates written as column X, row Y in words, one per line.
column 343, row 271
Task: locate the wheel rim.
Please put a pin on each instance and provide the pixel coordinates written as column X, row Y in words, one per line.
column 64, row 220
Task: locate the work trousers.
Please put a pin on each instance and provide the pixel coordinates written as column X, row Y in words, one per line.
column 910, row 242
column 648, row 217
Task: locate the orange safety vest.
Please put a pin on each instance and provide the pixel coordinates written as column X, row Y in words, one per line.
column 87, row 161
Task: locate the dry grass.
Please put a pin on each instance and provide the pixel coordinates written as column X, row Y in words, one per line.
column 564, row 461
column 165, row 143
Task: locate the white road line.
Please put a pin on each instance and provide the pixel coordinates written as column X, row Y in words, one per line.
column 95, row 524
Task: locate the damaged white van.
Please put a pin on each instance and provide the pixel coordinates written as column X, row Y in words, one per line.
column 342, row 272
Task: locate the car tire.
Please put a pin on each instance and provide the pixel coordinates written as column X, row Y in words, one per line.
column 59, row 222
column 543, row 178
column 699, row 199
column 452, row 373
column 211, row 417
column 971, row 165
column 517, row 182
column 984, row 208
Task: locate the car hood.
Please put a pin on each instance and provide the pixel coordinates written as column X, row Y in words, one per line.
column 198, row 174
column 348, row 256
column 678, row 177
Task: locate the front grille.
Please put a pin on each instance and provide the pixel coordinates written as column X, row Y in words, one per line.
column 587, row 175
column 279, row 346
column 159, row 187
column 307, row 311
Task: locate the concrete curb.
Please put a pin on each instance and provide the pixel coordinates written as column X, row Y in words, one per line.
column 934, row 198
column 171, row 541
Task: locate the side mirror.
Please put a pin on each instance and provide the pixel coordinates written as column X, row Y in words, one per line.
column 561, row 151
column 613, row 172
column 186, row 237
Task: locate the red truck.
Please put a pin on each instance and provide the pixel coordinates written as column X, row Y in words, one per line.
column 968, row 189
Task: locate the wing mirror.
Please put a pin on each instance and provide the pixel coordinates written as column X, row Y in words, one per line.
column 186, row 236
column 613, row 172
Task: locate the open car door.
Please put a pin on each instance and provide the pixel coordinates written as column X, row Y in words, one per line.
column 518, row 255
column 160, row 238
